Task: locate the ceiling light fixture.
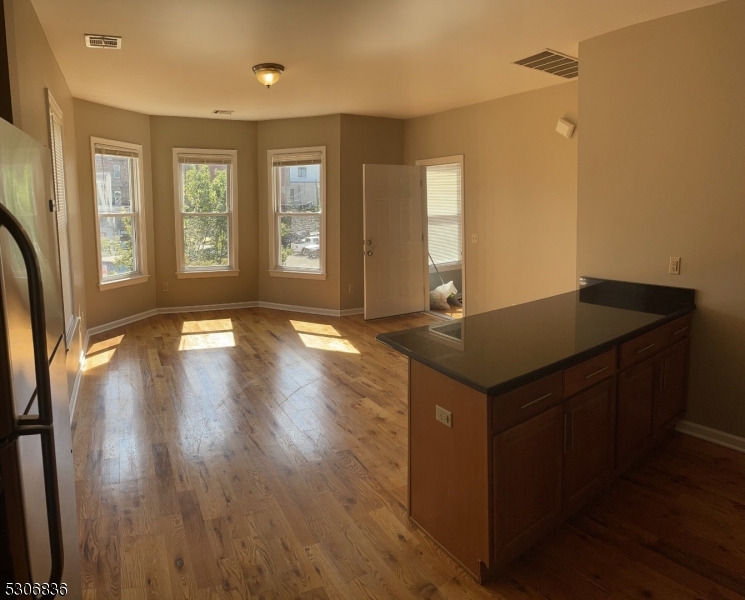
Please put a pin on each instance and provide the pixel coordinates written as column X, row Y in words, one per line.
column 268, row 73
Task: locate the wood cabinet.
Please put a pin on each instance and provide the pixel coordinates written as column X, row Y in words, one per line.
column 636, row 388
column 589, row 443
column 671, row 387
column 651, row 395
column 527, row 479
column 507, row 469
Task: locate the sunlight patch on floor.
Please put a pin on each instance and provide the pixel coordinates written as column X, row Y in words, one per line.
column 206, row 341
column 317, row 328
column 98, row 359
column 105, row 344
column 319, row 342
column 207, row 325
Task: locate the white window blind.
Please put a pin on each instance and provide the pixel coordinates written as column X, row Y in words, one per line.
column 60, row 196
column 444, row 213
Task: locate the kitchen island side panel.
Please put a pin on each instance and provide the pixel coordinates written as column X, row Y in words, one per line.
column 449, row 466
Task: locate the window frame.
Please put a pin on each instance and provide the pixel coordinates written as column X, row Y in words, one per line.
column 55, row 113
column 447, row 160
column 141, row 274
column 428, row 269
column 275, row 269
column 231, row 269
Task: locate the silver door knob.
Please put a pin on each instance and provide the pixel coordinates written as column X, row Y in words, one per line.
column 369, row 252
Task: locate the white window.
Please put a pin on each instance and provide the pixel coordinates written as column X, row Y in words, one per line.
column 206, row 206
column 60, row 201
column 444, row 217
column 117, row 171
column 297, row 205
column 120, row 218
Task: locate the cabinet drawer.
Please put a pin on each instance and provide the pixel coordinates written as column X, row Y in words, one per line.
column 525, row 402
column 588, row 373
column 675, row 331
column 638, row 349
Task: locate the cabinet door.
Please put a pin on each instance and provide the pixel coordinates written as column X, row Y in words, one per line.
column 635, row 401
column 589, row 444
column 527, row 480
column 670, row 391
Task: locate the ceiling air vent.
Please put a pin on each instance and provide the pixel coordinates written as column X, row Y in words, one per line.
column 113, row 42
column 222, row 112
column 552, row 62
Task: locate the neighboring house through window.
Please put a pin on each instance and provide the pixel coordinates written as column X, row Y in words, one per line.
column 120, row 218
column 297, row 205
column 206, row 221
column 60, row 202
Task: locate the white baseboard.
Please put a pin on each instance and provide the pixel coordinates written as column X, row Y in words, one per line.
column 172, row 310
column 715, row 436
column 119, row 323
column 310, row 310
column 169, row 310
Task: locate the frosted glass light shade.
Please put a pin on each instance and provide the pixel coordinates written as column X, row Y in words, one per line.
column 268, row 73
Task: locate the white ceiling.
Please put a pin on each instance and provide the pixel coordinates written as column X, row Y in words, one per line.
column 398, row 58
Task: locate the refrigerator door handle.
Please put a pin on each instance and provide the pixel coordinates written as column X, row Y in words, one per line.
column 42, row 424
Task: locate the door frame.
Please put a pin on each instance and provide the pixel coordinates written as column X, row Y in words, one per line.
column 444, row 160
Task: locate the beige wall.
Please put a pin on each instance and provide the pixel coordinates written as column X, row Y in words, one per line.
column 97, row 120
column 34, row 69
column 177, row 132
column 298, row 133
column 662, row 173
column 520, row 185
column 364, row 140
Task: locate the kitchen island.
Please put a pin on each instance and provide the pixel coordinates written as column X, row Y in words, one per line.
column 517, row 417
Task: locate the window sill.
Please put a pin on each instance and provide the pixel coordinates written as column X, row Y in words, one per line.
column 205, row 274
column 117, row 283
column 296, row 274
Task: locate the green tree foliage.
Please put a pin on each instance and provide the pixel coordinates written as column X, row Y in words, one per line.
column 286, row 236
column 205, row 237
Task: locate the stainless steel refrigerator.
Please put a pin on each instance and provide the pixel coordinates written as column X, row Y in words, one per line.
column 38, row 522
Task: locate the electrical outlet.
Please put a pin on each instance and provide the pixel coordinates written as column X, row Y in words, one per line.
column 674, row 265
column 474, row 238
column 443, row 416
column 165, row 287
column 351, row 288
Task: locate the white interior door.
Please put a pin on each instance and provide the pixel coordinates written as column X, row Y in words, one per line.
column 394, row 246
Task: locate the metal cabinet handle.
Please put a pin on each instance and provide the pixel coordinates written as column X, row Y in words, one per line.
column 680, row 330
column 645, row 349
column 596, row 373
column 42, row 424
column 536, row 400
column 663, row 374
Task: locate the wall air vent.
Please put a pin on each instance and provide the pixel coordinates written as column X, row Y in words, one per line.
column 222, row 112
column 552, row 62
column 114, row 42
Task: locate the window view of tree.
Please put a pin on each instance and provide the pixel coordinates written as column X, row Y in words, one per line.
column 205, row 215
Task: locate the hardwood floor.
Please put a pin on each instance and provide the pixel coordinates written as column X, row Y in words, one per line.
column 262, row 454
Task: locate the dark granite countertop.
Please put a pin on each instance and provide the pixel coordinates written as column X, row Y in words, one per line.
column 500, row 350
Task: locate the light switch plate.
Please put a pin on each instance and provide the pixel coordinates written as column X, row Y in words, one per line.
column 474, row 238
column 674, row 265
column 443, row 416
